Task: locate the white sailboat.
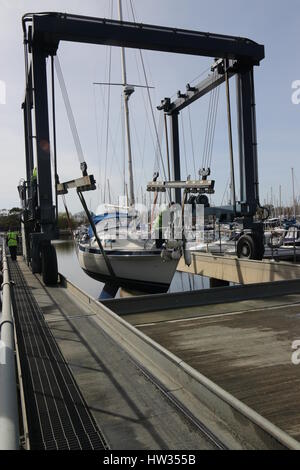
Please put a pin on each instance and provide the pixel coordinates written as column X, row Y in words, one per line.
column 135, row 261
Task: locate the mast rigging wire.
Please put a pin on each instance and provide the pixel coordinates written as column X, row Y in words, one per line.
column 113, row 160
column 108, row 113
column 99, row 143
column 123, row 144
column 150, row 101
column 224, row 194
column 145, row 106
column 110, row 134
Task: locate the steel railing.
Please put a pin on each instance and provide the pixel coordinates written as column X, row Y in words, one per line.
column 9, row 419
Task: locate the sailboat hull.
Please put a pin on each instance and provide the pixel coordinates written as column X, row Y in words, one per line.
column 137, row 270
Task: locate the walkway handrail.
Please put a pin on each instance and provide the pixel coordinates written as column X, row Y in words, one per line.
column 9, row 419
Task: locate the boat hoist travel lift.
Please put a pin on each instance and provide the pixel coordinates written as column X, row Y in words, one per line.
column 42, row 35
column 250, row 244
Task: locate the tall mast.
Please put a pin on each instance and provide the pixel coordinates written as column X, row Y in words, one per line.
column 280, row 203
column 108, row 188
column 127, row 93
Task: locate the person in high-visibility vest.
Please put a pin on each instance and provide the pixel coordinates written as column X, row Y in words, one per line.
column 158, row 225
column 34, row 174
column 12, row 243
column 34, row 196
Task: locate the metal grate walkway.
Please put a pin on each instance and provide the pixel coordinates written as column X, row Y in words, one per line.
column 57, row 415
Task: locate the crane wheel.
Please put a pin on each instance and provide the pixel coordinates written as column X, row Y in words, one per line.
column 250, row 247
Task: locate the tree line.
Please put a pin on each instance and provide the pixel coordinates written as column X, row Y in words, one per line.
column 11, row 219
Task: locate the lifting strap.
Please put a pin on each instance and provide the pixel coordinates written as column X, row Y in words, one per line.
column 70, row 114
column 68, row 217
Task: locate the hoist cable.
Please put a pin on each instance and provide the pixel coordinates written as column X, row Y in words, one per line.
column 213, row 127
column 69, row 111
column 206, row 131
column 184, row 145
column 157, row 161
column 233, row 194
column 68, row 216
column 54, row 136
column 167, row 146
column 210, row 126
column 192, row 142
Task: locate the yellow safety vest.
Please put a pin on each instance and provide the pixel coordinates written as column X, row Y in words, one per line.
column 12, row 238
column 159, row 220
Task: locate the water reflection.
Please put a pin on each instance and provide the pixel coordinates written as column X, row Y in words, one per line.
column 68, row 265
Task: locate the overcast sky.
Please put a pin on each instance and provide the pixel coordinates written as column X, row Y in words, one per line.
column 274, row 23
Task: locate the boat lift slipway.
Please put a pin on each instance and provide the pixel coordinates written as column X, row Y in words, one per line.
column 42, row 34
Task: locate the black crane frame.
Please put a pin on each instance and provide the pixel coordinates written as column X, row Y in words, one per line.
column 42, row 35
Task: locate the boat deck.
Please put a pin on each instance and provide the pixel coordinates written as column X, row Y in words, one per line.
column 243, row 342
